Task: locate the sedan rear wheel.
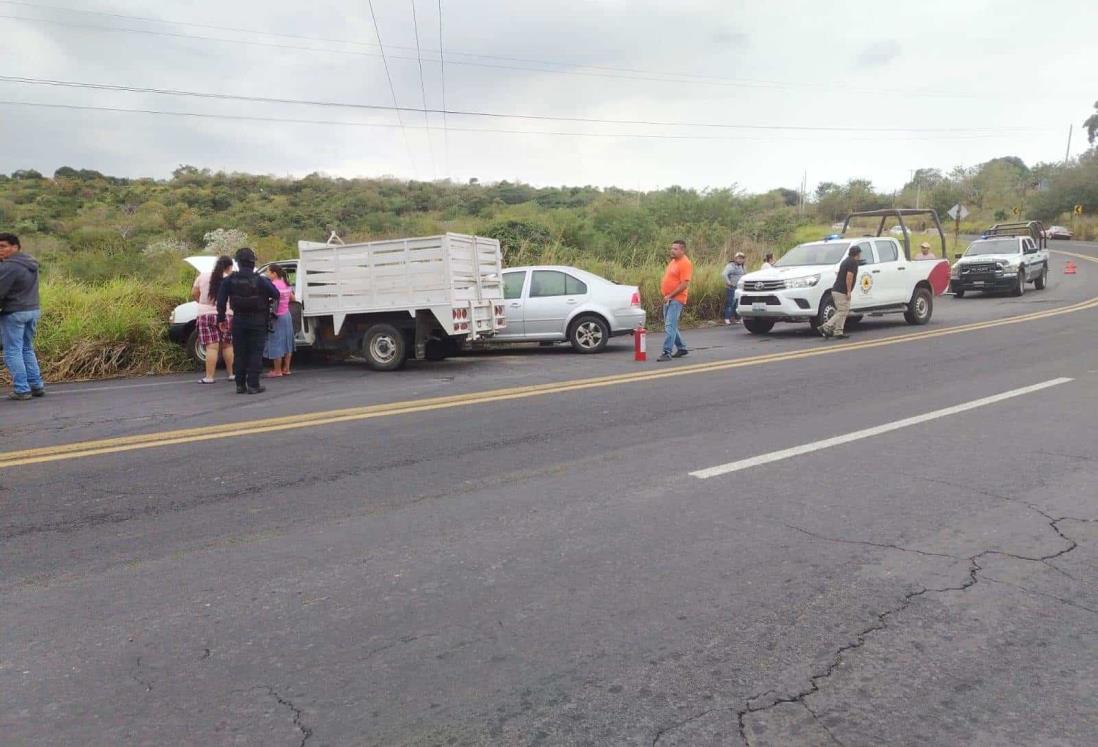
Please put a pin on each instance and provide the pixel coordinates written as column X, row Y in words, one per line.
column 589, row 334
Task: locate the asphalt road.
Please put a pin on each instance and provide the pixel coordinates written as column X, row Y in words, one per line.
column 510, row 548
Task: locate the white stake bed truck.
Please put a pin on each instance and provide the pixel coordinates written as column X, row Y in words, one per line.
column 392, row 300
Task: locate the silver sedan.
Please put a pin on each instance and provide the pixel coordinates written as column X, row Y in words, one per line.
column 558, row 304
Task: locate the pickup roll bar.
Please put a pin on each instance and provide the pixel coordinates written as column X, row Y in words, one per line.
column 898, row 214
column 1031, row 228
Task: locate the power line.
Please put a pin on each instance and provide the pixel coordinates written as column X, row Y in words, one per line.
column 500, row 115
column 392, row 90
column 486, row 130
column 329, row 40
column 423, row 92
column 442, row 77
column 595, row 71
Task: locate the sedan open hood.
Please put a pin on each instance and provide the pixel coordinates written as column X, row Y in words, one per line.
column 203, row 262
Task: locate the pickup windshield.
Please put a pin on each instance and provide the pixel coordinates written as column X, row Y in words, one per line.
column 820, row 253
column 993, row 246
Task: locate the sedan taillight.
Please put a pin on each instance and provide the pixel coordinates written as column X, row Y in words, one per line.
column 636, row 299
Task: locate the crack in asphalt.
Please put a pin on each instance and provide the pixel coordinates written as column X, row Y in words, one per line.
column 306, row 732
column 753, row 704
column 679, row 724
column 822, row 725
column 884, row 545
column 135, row 675
column 1044, row 594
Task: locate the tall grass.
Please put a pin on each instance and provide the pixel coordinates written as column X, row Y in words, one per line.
column 113, row 329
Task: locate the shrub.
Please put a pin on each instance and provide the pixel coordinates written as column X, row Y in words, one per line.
column 114, row 329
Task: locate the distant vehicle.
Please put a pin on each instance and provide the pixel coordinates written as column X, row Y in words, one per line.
column 837, row 226
column 1058, row 232
column 387, row 301
column 558, row 304
column 899, row 230
column 1000, row 263
column 798, row 287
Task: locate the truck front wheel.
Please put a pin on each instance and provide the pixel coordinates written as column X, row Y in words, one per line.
column 384, row 347
column 758, row 326
column 920, row 308
column 827, row 310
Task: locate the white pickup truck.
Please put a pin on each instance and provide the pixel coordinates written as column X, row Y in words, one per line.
column 386, row 301
column 1005, row 257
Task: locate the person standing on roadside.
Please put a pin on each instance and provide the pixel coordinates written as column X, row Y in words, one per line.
column 733, row 271
column 280, row 340
column 768, row 261
column 210, row 337
column 251, row 296
column 924, row 252
column 19, row 314
column 674, row 287
column 841, row 292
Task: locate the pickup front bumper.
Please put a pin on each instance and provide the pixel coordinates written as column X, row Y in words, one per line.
column 992, row 281
column 783, row 305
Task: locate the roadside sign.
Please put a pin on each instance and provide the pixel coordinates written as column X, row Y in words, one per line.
column 1078, row 210
column 958, row 212
column 1016, row 211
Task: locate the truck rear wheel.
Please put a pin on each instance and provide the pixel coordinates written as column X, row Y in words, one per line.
column 1042, row 279
column 384, row 347
column 920, row 308
column 758, row 326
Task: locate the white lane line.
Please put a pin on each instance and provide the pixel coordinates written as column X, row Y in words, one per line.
column 827, row 443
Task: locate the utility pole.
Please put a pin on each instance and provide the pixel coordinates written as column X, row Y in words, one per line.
column 1067, row 153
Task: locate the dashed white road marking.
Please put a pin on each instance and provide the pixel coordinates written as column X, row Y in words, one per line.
column 827, row 443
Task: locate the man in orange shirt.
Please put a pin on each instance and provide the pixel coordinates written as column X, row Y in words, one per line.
column 676, row 281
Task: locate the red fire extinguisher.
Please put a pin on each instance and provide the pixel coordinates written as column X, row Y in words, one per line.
column 640, row 344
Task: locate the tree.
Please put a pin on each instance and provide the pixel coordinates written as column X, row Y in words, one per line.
column 1091, row 124
column 224, row 241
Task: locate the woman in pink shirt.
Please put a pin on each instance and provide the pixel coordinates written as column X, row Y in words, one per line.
column 280, row 341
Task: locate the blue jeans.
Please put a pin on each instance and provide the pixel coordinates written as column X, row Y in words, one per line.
column 17, row 329
column 672, row 310
column 730, row 303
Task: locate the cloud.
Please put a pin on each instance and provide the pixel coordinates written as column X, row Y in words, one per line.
column 712, row 61
column 878, row 54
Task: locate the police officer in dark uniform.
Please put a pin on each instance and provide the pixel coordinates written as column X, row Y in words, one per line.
column 251, row 296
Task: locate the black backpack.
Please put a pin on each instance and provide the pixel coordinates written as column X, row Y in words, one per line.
column 246, row 297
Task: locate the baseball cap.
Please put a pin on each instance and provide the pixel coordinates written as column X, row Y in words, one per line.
column 924, row 245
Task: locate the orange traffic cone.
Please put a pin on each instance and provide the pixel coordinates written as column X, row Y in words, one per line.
column 1069, row 268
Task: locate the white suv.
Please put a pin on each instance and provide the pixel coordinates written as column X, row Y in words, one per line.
column 798, row 287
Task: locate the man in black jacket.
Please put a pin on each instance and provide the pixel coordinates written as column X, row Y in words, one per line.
column 19, row 314
column 251, row 296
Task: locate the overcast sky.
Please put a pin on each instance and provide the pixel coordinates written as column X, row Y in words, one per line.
column 930, row 83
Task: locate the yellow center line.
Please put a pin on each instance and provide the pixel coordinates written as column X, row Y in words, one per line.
column 81, row 449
